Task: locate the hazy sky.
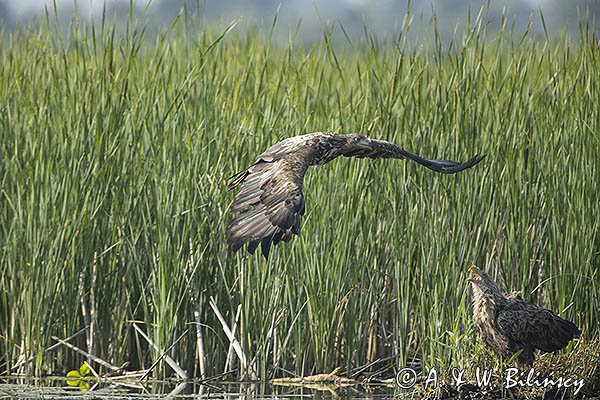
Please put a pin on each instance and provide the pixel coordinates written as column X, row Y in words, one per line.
column 380, row 16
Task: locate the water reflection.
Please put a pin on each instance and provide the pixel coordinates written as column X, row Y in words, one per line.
column 55, row 388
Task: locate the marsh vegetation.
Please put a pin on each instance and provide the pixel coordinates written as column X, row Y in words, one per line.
column 115, row 149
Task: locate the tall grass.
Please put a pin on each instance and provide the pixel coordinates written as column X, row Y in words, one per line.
column 115, row 149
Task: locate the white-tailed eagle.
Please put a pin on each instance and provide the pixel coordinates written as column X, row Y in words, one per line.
column 270, row 204
column 507, row 324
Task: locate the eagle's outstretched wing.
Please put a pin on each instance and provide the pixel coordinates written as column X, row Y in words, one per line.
column 271, row 203
column 383, row 149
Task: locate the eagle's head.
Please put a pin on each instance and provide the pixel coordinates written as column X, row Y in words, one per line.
column 355, row 145
column 482, row 284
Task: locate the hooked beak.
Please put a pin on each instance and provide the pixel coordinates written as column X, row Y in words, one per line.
column 475, row 276
column 366, row 144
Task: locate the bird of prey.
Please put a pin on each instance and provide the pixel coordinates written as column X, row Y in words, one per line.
column 508, row 324
column 270, row 203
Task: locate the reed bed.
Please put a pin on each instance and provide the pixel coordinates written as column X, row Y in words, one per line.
column 116, row 147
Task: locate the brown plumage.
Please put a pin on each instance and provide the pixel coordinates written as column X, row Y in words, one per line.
column 507, row 324
column 270, row 204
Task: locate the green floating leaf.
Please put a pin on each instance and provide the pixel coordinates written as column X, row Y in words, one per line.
column 84, row 370
column 84, row 386
column 77, row 378
column 73, row 378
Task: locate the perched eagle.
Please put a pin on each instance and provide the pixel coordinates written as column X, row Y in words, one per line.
column 508, row 324
column 270, row 204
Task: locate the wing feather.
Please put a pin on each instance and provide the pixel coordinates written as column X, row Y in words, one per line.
column 527, row 324
column 270, row 204
column 383, row 149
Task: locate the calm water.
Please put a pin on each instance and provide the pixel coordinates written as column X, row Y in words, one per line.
column 55, row 389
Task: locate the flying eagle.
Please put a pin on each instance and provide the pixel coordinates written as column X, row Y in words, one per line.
column 508, row 324
column 270, row 204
